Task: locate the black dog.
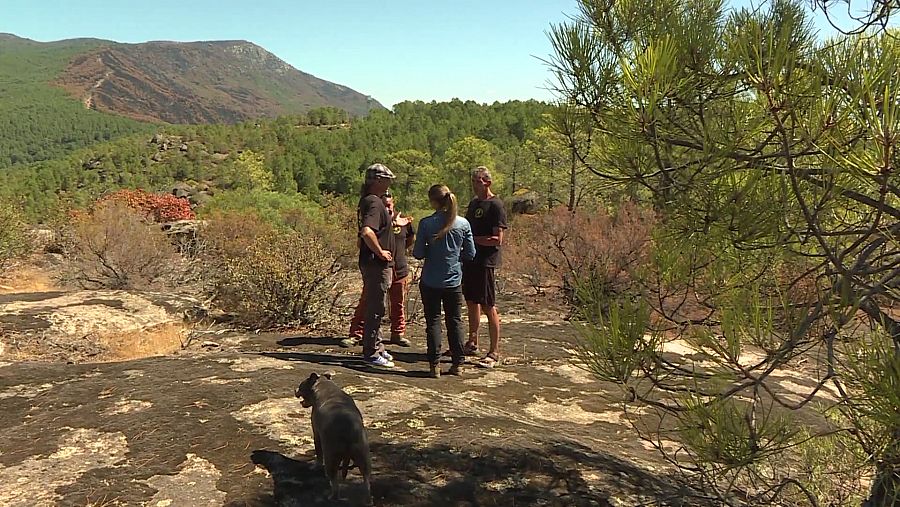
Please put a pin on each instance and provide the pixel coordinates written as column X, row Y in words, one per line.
column 338, row 431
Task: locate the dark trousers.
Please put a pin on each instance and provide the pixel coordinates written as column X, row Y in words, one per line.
column 376, row 281
column 451, row 299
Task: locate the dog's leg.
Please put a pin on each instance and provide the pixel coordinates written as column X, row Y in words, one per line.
column 318, row 443
column 332, row 463
column 364, row 463
column 345, row 467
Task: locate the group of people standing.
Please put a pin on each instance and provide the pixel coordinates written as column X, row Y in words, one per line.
column 460, row 256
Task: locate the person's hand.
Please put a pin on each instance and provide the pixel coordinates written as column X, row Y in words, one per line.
column 385, row 255
column 402, row 221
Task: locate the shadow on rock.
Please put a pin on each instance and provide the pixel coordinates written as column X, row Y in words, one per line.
column 343, row 361
column 554, row 474
column 296, row 341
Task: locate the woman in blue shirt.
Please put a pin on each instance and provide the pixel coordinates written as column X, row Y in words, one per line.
column 444, row 240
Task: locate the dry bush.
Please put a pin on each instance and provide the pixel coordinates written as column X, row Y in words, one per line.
column 227, row 234
column 283, row 278
column 582, row 250
column 115, row 248
column 13, row 237
column 334, row 223
column 160, row 207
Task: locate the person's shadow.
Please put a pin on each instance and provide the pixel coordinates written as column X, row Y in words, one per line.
column 353, row 362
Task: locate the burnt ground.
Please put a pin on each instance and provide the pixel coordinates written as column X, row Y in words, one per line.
column 203, row 428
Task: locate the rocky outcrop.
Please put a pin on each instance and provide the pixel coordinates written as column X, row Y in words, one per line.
column 84, row 325
column 224, row 428
column 523, row 202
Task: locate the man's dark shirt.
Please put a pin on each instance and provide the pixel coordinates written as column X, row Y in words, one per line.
column 484, row 216
column 401, row 264
column 371, row 213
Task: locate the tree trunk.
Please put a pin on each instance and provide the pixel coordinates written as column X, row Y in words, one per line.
column 572, row 167
column 885, row 491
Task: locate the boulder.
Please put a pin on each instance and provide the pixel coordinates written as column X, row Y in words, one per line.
column 92, row 164
column 183, row 147
column 157, row 139
column 523, row 202
column 182, row 190
column 200, row 198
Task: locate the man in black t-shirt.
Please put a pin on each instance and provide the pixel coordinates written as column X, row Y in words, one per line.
column 376, row 260
column 404, row 235
column 487, row 217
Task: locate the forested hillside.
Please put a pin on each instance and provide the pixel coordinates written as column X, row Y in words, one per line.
column 56, row 97
column 314, row 153
column 39, row 121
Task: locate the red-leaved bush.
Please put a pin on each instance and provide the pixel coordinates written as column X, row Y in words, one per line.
column 567, row 250
column 156, row 207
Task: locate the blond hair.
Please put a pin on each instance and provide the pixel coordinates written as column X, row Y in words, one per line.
column 442, row 195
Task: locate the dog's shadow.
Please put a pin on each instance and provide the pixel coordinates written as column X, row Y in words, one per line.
column 303, row 483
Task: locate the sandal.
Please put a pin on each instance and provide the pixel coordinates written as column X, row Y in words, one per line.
column 469, row 349
column 488, row 361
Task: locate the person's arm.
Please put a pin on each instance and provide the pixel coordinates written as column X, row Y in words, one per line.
column 495, row 240
column 371, row 217
column 410, row 236
column 499, row 218
column 468, row 246
column 419, row 248
column 368, row 235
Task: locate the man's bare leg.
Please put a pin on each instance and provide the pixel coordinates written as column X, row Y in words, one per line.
column 493, row 317
column 474, row 321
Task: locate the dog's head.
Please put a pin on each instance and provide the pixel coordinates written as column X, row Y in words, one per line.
column 306, row 389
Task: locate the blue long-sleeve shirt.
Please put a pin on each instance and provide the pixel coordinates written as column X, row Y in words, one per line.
column 442, row 257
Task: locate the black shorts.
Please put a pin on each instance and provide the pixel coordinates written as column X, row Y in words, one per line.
column 479, row 285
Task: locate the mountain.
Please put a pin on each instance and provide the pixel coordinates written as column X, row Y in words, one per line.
column 56, row 97
column 39, row 121
column 200, row 82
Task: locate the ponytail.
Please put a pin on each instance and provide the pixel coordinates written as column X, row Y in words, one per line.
column 442, row 195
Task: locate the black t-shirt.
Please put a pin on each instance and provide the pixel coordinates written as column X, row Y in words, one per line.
column 484, row 216
column 371, row 213
column 401, row 264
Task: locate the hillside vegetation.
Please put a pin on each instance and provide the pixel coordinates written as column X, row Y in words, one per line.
column 39, row 121
column 57, row 97
column 310, row 154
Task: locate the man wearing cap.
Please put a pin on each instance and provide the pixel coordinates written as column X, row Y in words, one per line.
column 376, row 263
column 404, row 236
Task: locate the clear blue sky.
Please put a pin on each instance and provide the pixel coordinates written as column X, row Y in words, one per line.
column 394, row 50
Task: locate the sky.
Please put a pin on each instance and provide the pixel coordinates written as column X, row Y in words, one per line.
column 393, row 50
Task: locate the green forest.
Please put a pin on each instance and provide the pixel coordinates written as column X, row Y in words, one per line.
column 322, row 151
column 39, row 121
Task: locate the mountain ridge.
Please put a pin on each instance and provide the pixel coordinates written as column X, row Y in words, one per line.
column 221, row 81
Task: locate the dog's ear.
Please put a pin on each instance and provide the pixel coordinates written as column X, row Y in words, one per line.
column 313, row 377
column 328, row 374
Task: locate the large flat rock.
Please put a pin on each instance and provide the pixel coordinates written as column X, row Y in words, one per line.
column 223, row 428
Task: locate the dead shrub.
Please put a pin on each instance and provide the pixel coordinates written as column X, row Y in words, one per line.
column 13, row 237
column 282, row 278
column 586, row 253
column 115, row 248
column 227, row 234
column 334, row 223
